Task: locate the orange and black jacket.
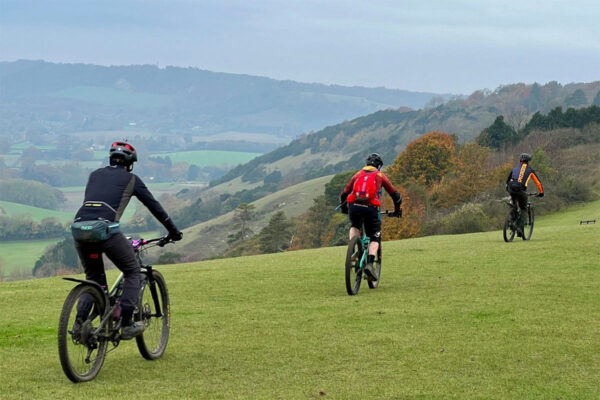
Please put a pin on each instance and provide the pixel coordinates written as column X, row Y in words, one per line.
column 522, row 174
column 380, row 179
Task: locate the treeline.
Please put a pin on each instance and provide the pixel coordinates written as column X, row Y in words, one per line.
column 501, row 134
column 24, row 228
column 31, row 193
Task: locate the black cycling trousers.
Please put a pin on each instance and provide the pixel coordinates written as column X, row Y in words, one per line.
column 369, row 216
column 118, row 249
column 520, row 198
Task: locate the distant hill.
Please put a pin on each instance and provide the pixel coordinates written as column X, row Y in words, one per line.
column 344, row 146
column 42, row 97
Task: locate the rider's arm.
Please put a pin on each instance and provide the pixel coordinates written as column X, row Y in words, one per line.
column 395, row 194
column 143, row 194
column 537, row 182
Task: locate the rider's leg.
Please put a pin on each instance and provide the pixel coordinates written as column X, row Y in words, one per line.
column 356, row 221
column 118, row 249
column 522, row 203
column 90, row 256
column 373, row 247
column 373, row 231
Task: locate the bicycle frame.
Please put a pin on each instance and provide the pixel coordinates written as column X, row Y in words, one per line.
column 112, row 296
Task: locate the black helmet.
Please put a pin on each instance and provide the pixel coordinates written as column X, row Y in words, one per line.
column 525, row 157
column 124, row 151
column 375, row 160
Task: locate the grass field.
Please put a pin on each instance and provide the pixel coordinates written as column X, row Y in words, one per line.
column 455, row 317
column 36, row 213
column 21, row 255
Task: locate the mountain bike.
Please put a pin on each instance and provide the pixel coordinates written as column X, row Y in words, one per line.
column 356, row 260
column 83, row 347
column 512, row 219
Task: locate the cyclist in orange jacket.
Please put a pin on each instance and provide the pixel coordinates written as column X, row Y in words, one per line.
column 516, row 186
column 360, row 200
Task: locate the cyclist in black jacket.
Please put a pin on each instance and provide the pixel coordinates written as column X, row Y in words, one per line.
column 107, row 194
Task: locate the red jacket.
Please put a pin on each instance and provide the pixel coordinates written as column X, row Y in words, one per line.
column 380, row 179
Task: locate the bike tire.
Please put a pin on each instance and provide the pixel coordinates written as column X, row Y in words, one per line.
column 530, row 220
column 353, row 271
column 377, row 266
column 73, row 352
column 508, row 232
column 153, row 342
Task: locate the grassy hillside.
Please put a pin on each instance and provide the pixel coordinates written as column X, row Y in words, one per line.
column 36, row 213
column 464, row 316
column 18, row 257
column 208, row 239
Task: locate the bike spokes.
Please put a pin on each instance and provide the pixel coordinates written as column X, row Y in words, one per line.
column 81, row 346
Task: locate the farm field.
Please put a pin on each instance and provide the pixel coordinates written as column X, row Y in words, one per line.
column 36, row 213
column 461, row 316
column 19, row 256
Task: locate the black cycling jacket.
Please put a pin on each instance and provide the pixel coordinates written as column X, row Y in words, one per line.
column 108, row 192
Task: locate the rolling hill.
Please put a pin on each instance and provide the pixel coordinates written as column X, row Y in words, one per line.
column 76, row 98
column 344, row 146
column 462, row 316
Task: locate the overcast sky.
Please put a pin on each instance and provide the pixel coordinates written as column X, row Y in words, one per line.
column 436, row 45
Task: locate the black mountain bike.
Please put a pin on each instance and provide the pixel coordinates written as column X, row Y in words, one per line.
column 82, row 350
column 356, row 260
column 511, row 223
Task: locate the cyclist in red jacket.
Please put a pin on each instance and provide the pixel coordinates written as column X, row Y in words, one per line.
column 360, row 200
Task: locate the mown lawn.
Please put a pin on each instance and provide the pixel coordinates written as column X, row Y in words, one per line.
column 461, row 317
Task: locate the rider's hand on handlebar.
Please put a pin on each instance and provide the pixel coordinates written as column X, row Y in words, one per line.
column 175, row 236
column 396, row 213
column 540, row 194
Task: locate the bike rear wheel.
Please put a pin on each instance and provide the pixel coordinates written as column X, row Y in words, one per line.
column 80, row 350
column 509, row 231
column 528, row 230
column 155, row 313
column 377, row 267
column 353, row 271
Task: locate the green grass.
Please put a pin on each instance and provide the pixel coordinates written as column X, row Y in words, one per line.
column 36, row 213
column 461, row 317
column 21, row 255
column 205, row 158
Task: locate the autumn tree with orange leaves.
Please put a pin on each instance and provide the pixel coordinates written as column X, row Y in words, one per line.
column 425, row 160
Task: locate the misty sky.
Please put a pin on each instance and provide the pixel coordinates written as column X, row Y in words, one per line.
column 437, row 45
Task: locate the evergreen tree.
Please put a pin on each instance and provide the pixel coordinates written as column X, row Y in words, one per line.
column 276, row 236
column 577, row 98
column 497, row 134
column 244, row 213
column 597, row 99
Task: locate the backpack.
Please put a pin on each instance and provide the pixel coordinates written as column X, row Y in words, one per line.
column 365, row 188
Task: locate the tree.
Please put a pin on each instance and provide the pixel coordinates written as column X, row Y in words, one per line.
column 314, row 226
column 497, row 135
column 243, row 214
column 597, row 99
column 577, row 98
column 425, row 160
column 276, row 236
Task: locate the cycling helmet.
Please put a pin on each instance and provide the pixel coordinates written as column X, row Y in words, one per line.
column 525, row 157
column 124, row 151
column 375, row 160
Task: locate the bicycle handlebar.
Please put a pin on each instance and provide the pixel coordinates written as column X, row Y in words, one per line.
column 161, row 241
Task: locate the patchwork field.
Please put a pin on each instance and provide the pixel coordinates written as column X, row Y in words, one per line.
column 461, row 317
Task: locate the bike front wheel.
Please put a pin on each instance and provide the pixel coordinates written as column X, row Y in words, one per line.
column 353, row 270
column 528, row 231
column 155, row 312
column 80, row 349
